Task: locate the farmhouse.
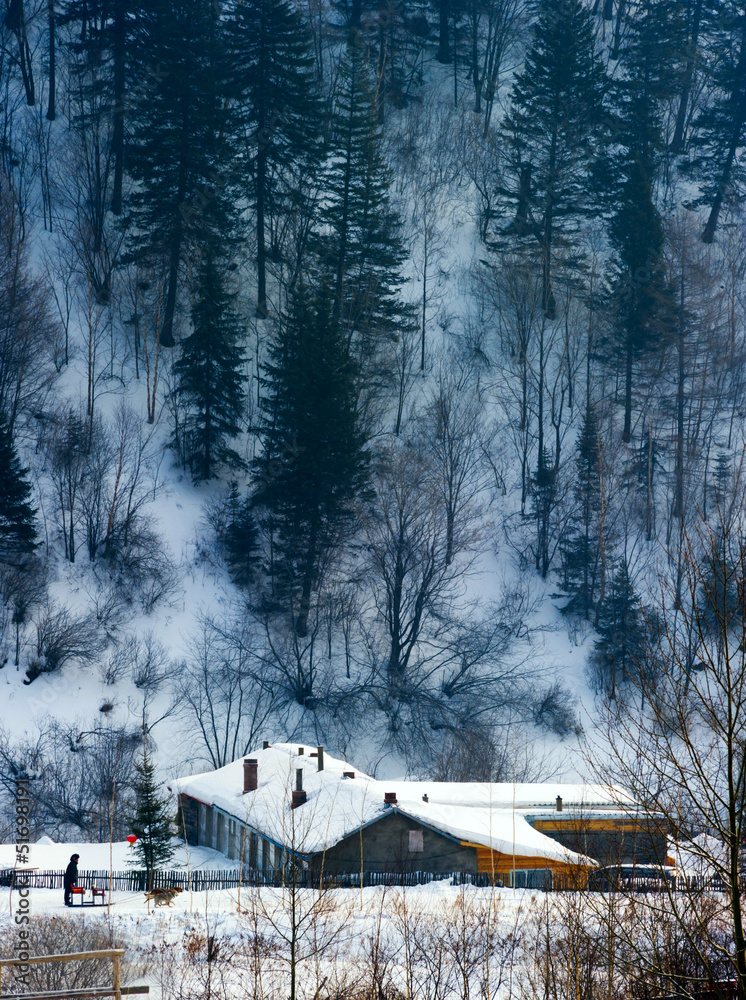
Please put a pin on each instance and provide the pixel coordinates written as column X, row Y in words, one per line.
column 288, row 801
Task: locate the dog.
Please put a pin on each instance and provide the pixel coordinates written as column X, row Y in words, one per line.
column 162, row 897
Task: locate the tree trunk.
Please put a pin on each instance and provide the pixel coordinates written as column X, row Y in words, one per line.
column 117, row 138
column 677, row 143
column 51, row 103
column 735, row 140
column 627, row 431
column 444, row 39
column 261, row 256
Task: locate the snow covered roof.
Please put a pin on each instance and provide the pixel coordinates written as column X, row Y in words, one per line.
column 488, row 814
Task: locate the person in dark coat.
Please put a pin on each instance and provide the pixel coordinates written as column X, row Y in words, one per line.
column 71, row 879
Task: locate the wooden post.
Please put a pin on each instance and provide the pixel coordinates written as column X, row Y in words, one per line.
column 117, row 984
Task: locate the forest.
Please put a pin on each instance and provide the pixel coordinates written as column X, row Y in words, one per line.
column 430, row 316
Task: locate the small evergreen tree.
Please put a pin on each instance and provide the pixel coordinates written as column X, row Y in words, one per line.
column 543, row 490
column 620, row 648
column 17, row 515
column 208, row 378
column 151, row 822
column 240, row 537
column 580, row 548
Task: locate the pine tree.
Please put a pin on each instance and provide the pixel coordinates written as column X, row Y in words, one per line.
column 580, row 549
column 17, row 515
column 640, row 298
column 240, row 538
column 179, row 150
column 622, row 627
column 314, row 464
column 279, row 111
column 719, row 130
column 543, row 491
column 651, row 58
column 150, row 823
column 362, row 245
column 208, row 378
column 553, row 137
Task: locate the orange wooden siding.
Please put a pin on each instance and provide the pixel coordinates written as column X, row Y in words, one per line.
column 491, row 862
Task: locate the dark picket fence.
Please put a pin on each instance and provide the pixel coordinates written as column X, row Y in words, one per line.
column 204, row 881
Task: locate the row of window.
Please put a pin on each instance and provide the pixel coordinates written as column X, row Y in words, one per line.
column 238, row 842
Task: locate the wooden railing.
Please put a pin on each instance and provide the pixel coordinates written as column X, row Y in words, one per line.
column 116, row 990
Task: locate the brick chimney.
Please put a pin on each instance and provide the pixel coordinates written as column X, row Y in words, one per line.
column 389, row 798
column 348, row 774
column 250, row 774
column 299, row 796
column 559, row 803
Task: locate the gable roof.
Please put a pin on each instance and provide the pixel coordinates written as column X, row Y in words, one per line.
column 489, row 814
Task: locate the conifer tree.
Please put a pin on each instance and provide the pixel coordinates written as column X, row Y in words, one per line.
column 179, row 149
column 17, row 515
column 640, row 297
column 150, row 823
column 543, row 491
column 580, row 550
column 622, row 626
column 314, row 463
column 362, row 247
column 240, row 537
column 719, row 130
column 651, row 54
column 279, row 112
column 208, row 378
column 553, row 136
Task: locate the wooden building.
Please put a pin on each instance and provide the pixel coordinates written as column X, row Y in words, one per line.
column 288, row 801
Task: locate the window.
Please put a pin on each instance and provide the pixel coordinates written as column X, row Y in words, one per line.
column 416, row 845
column 531, row 878
column 253, row 850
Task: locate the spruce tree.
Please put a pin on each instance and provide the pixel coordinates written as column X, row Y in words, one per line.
column 719, row 130
column 553, row 137
column 622, row 627
column 642, row 308
column 240, row 538
column 652, row 71
column 543, row 492
column 279, row 112
column 580, row 548
column 208, row 376
column 17, row 515
column 362, row 244
column 314, row 464
column 179, row 151
column 151, row 822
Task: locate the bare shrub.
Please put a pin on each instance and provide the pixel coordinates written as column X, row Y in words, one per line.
column 61, row 637
column 146, row 659
column 554, row 710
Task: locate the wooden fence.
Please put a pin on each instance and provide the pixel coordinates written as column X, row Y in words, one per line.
column 204, row 881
